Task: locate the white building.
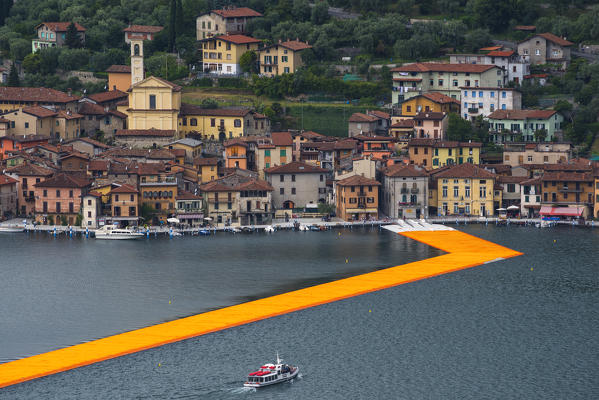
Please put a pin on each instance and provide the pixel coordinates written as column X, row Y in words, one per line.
column 508, row 60
column 90, row 210
column 485, row 100
column 404, row 191
column 530, row 197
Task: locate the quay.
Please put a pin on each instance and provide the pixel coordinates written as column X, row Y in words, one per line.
column 462, row 251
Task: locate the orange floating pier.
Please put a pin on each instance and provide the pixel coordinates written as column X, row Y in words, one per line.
column 463, row 251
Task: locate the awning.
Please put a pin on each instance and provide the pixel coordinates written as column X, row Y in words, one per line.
column 190, row 216
column 562, row 211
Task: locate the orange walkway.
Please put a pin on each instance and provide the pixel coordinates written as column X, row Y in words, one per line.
column 463, row 251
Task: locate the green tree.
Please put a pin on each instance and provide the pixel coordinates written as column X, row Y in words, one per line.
column 247, row 62
column 72, row 39
column 13, row 76
column 172, row 30
column 458, row 128
column 180, row 24
column 540, row 135
column 301, row 10
column 31, row 63
column 320, row 13
column 19, row 48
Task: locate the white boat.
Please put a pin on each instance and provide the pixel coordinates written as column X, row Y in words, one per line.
column 11, row 228
column 303, row 227
column 111, row 232
column 270, row 374
column 269, row 229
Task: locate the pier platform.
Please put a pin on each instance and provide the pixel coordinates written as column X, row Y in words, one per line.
column 462, row 251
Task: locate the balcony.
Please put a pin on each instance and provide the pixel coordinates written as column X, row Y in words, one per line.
column 570, row 190
column 414, row 190
column 473, row 110
column 405, row 191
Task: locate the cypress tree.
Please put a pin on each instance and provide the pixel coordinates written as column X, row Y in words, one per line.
column 72, row 39
column 13, row 76
column 180, row 23
column 172, row 30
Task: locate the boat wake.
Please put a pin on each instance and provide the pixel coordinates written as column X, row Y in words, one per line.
column 242, row 390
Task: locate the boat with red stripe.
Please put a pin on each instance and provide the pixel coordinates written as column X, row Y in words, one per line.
column 270, row 374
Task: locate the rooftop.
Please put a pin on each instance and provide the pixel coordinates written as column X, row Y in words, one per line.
column 443, row 67
column 110, row 95
column 61, row 26
column 521, row 114
column 64, row 180
column 466, row 170
column 232, row 12
column 121, row 69
column 405, row 170
column 357, row 180
column 145, row 132
column 295, row 167
column 238, row 39
column 143, row 29
column 35, row 94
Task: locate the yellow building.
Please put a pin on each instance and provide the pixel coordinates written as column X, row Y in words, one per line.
column 429, row 102
column 221, row 54
column 278, row 152
column 464, row 189
column 207, row 168
column 216, row 123
column 159, row 194
column 154, row 103
column 596, row 205
column 432, row 153
column 119, row 77
column 282, row 58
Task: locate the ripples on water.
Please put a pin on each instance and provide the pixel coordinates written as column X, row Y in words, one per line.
column 495, row 331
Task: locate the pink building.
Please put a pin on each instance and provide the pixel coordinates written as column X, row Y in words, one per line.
column 28, row 175
column 58, row 198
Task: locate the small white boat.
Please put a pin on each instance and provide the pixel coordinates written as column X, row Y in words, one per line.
column 111, row 232
column 269, row 229
column 304, row 227
column 270, row 374
column 11, row 229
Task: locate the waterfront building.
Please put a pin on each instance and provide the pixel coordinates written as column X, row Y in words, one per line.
column 58, row 198
column 8, row 196
column 297, row 184
column 465, row 189
column 404, row 191
column 190, row 209
column 429, row 102
column 568, row 194
column 282, row 57
column 28, row 175
column 357, row 198
column 511, row 190
column 158, row 194
column 239, row 198
column 91, row 210
column 221, row 54
column 524, row 125
column 485, row 100
column 433, row 153
column 411, row 80
column 530, row 197
column 515, row 154
column 228, row 20
column 124, row 201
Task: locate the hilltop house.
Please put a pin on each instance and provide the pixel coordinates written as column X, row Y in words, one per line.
column 221, row 54
column 229, row 20
column 524, row 125
column 515, row 66
column 545, row 48
column 282, row 57
column 483, row 100
column 53, row 34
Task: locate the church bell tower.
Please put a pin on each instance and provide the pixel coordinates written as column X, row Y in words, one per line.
column 137, row 60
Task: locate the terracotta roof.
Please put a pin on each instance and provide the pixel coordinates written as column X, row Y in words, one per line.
column 64, row 180
column 443, row 67
column 295, row 167
column 124, row 189
column 430, row 115
column 466, row 170
column 379, row 114
column 521, row 114
column 205, row 161
column 525, row 27
column 404, row 170
column 439, row 98
column 110, row 95
column 98, row 165
column 501, row 53
column 121, row 69
column 35, row 94
column 555, row 39
column 282, row 139
column 295, row 45
column 366, row 138
column 87, row 108
column 407, row 79
column 190, row 109
column 94, row 194
column 61, row 26
column 490, row 48
column 511, row 179
column 356, row 180
column 441, row 143
column 117, row 114
column 235, row 142
column 30, row 170
column 40, row 112
column 161, row 154
column 75, row 154
column 499, row 168
column 533, row 181
column 567, row 176
column 145, row 132
column 183, row 195
column 237, row 12
column 68, row 115
column 361, row 117
column 406, row 123
column 7, row 180
column 237, row 39
column 143, row 28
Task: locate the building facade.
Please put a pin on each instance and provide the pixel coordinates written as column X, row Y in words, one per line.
column 221, row 54
column 282, row 57
column 229, row 20
column 524, row 125
column 405, row 191
column 357, row 198
column 297, row 184
column 484, row 101
column 545, row 48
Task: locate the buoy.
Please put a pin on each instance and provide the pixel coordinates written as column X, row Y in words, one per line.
column 369, row 310
column 346, row 260
column 554, row 240
column 159, row 364
column 169, row 302
column 531, row 268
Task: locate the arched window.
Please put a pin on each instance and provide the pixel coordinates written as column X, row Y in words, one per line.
column 193, row 122
column 136, row 50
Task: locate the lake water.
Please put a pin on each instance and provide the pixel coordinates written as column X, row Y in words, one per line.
column 499, row 331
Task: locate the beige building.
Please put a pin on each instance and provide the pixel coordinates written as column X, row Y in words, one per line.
column 297, row 184
column 545, row 48
column 405, row 191
column 154, row 103
column 8, row 196
column 44, row 121
column 281, row 58
column 515, row 154
column 221, row 54
column 229, row 20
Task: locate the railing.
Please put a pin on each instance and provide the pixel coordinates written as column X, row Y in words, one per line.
column 570, row 190
column 473, row 110
column 405, row 191
column 415, row 190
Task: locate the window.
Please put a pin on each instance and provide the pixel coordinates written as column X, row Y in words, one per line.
column 45, row 193
column 281, row 178
column 212, row 122
column 286, row 70
column 237, row 123
column 465, row 93
column 492, row 94
column 26, row 125
column 456, row 191
column 444, row 191
column 58, row 193
column 455, row 82
column 492, row 107
column 266, row 153
column 322, row 177
column 537, row 52
column 57, row 207
column 473, row 93
column 455, row 208
column 283, row 153
column 282, row 191
column 480, row 94
column 152, row 102
column 292, row 178
column 193, row 122
column 467, row 195
column 482, row 192
column 292, row 190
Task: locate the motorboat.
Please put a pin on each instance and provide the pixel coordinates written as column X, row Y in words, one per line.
column 269, row 229
column 11, row 228
column 112, row 232
column 232, row 230
column 303, row 227
column 270, row 374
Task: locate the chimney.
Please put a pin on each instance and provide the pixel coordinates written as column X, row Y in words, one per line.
column 70, row 91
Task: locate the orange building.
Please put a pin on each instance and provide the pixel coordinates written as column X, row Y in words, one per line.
column 357, row 198
column 28, row 175
column 119, row 77
column 59, row 198
column 12, row 143
column 124, row 202
column 236, row 154
column 376, row 146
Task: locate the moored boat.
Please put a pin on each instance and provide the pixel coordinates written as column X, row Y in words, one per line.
column 11, row 229
column 270, row 374
column 111, row 232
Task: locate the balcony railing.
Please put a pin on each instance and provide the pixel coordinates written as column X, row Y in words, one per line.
column 473, row 110
column 405, row 191
column 570, row 190
column 415, row 190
